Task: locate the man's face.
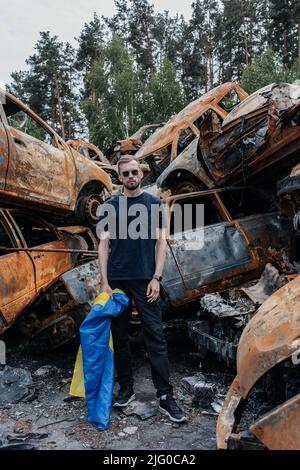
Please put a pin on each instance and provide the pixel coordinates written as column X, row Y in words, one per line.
column 130, row 175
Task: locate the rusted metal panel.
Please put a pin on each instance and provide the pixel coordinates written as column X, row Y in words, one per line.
column 186, row 161
column 88, row 150
column 269, row 338
column 24, row 275
column 39, row 170
column 144, row 130
column 4, row 154
column 233, row 251
column 279, row 429
column 83, row 282
column 259, row 132
column 285, row 95
column 226, row 419
column 17, row 285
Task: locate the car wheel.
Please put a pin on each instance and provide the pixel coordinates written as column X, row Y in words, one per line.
column 87, row 209
column 187, row 187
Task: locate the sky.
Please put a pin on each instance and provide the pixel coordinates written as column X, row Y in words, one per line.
column 22, row 20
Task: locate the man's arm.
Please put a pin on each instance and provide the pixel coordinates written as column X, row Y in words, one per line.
column 153, row 288
column 103, row 260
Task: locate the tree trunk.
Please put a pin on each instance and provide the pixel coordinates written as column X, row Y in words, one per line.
column 299, row 38
column 57, row 92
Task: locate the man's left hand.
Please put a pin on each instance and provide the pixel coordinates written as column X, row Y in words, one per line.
column 153, row 289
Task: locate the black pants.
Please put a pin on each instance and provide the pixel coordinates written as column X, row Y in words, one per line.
column 156, row 346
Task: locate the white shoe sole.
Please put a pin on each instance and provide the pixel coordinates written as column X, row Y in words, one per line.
column 122, row 405
column 165, row 412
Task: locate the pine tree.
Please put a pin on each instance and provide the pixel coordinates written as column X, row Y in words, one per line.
column 283, row 29
column 141, row 40
column 90, row 41
column 118, row 24
column 49, row 87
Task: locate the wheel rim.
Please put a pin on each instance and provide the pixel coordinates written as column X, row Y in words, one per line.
column 186, row 187
column 91, row 205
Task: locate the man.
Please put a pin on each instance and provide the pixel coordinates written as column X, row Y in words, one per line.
column 132, row 253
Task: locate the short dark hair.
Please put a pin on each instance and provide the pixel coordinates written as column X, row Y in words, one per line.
column 127, row 159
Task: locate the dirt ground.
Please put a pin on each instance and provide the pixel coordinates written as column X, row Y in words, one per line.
column 46, row 421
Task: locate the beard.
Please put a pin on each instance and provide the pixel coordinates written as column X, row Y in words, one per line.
column 131, row 186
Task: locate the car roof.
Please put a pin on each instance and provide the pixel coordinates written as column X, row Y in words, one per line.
column 166, row 134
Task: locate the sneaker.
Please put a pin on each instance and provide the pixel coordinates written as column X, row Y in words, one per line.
column 169, row 407
column 125, row 396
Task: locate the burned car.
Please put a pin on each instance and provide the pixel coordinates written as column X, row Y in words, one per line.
column 94, row 153
column 34, row 254
column 269, row 348
column 258, row 139
column 240, row 234
column 243, row 230
column 88, row 150
column 132, row 144
column 38, row 169
column 167, row 143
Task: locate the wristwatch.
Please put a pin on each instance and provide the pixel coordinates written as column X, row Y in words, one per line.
column 158, row 278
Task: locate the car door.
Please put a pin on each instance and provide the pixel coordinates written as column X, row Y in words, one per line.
column 17, row 279
column 41, row 168
column 4, row 156
column 37, row 233
column 210, row 254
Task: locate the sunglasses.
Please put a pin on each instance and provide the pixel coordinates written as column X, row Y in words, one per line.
column 127, row 173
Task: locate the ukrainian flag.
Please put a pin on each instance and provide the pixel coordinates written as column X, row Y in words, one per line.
column 93, row 376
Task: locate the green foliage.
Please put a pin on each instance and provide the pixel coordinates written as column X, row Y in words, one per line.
column 139, row 66
column 164, row 96
column 266, row 69
column 120, row 102
column 263, row 70
column 293, row 73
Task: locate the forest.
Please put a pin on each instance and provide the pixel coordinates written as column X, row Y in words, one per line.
column 140, row 66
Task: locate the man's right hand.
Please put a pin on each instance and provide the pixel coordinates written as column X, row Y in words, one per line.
column 106, row 288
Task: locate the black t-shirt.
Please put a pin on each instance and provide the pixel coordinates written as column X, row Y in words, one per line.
column 132, row 223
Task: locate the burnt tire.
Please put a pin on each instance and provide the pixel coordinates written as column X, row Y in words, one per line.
column 187, row 187
column 87, row 207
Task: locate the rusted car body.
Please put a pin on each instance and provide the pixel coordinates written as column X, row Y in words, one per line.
column 241, row 235
column 131, row 145
column 235, row 250
column 88, row 150
column 258, row 139
column 270, row 339
column 162, row 147
column 38, row 169
column 94, row 153
column 91, row 151
column 24, row 275
column 57, row 314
